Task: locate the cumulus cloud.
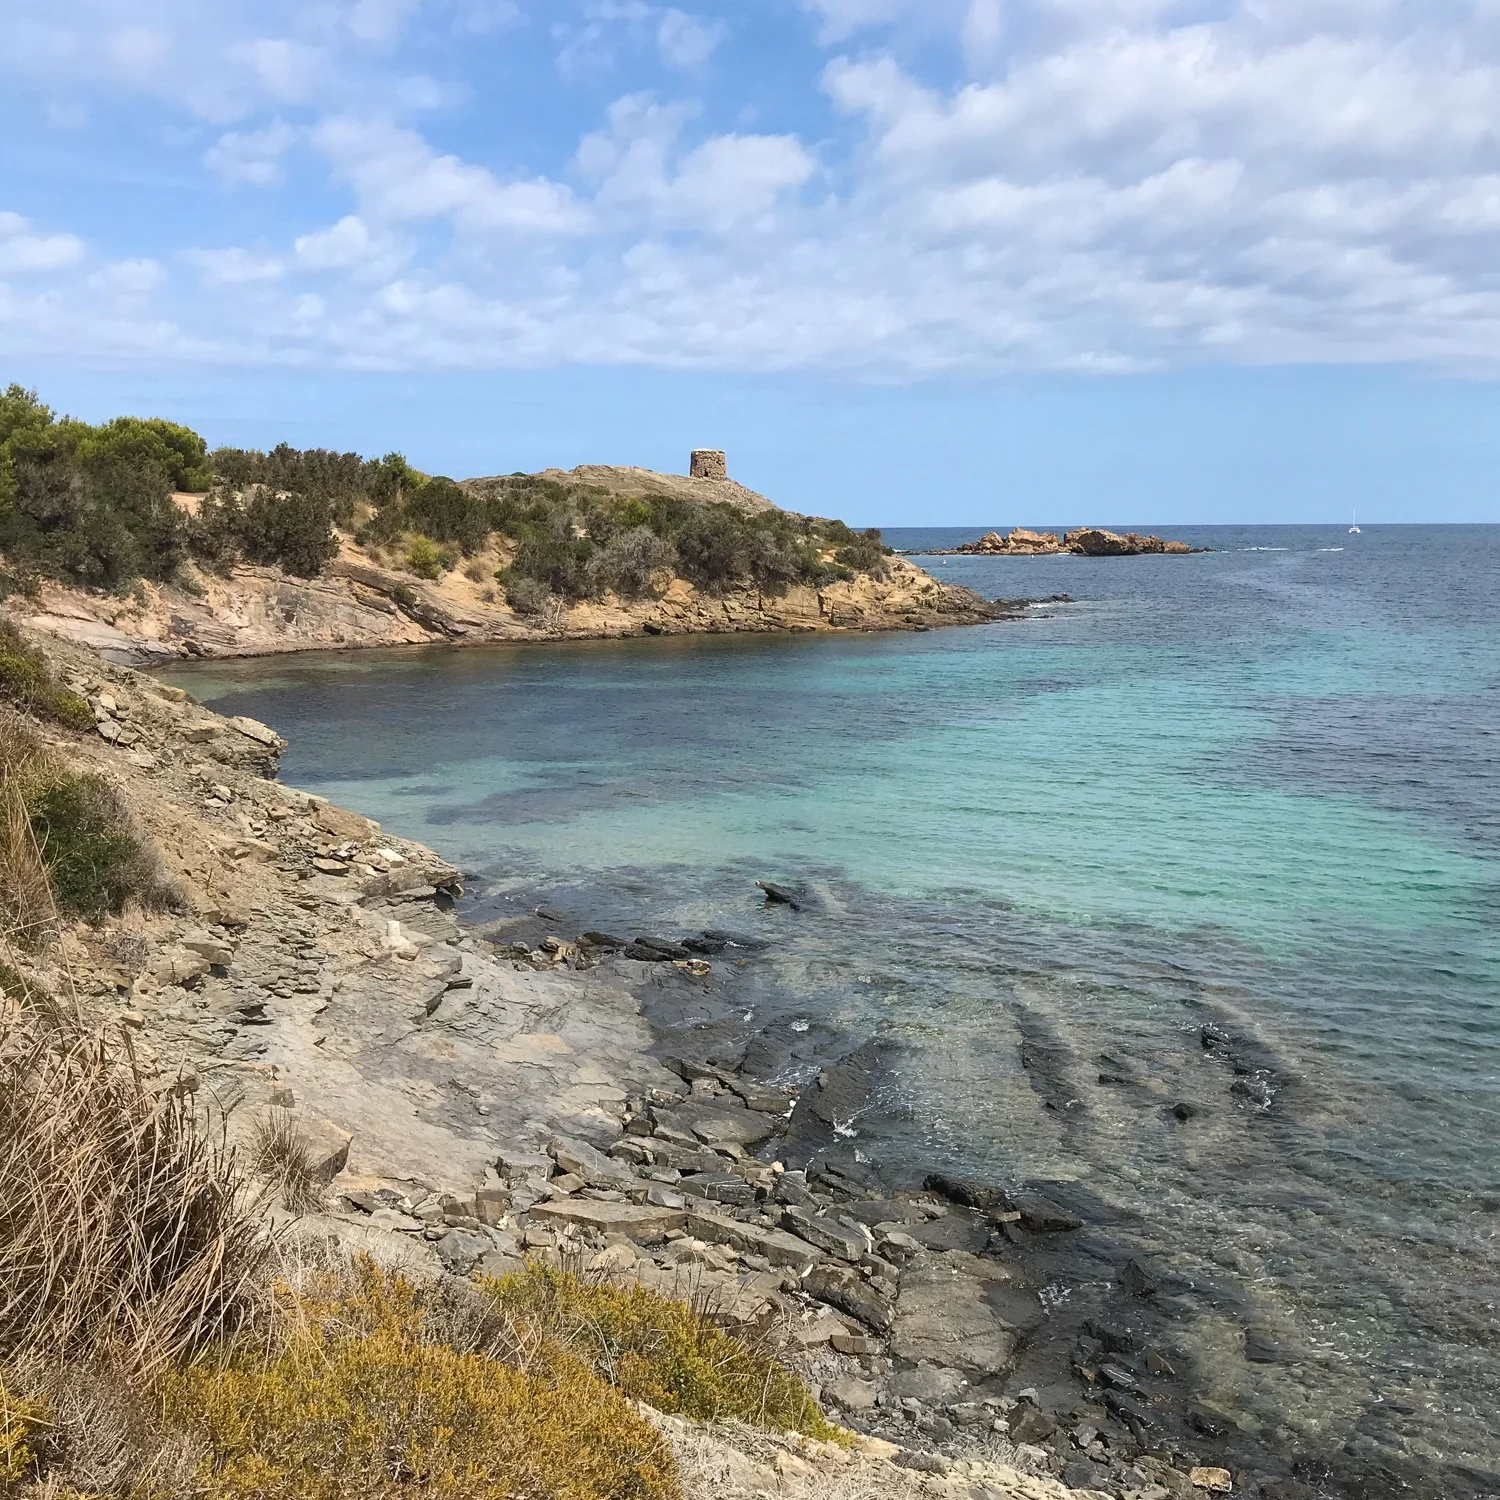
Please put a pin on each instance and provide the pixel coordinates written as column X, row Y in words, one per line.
column 968, row 185
column 22, row 250
column 397, row 176
column 251, row 156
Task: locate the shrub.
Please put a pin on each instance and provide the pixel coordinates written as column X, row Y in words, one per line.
column 441, row 509
column 95, row 863
column 629, row 562
column 526, row 595
column 125, row 1234
column 27, row 683
column 20, row 1421
column 659, row 1351
column 274, row 528
column 426, row 559
column 361, row 1402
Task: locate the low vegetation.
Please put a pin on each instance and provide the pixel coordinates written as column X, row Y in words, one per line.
column 159, row 1342
column 93, row 506
column 68, row 844
column 655, row 1350
column 27, row 684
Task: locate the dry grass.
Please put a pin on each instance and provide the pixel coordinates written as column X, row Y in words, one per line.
column 123, row 1233
column 672, row 1356
column 279, row 1156
column 360, row 1399
column 28, row 913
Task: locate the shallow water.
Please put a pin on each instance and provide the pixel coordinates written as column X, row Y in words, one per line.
column 1257, row 788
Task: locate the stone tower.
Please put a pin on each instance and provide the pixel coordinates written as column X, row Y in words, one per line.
column 708, row 463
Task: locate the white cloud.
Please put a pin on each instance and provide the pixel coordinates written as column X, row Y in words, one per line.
column 251, row 156
column 23, row 251
column 685, row 41
column 128, row 280
column 721, row 185
column 397, row 177
column 236, row 266
column 979, row 185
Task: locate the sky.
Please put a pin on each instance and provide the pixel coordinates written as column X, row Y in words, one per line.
column 909, row 261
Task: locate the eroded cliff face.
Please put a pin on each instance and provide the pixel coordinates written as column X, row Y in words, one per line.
column 359, row 602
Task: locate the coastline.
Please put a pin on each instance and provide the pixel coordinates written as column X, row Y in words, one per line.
column 420, row 1054
column 357, row 604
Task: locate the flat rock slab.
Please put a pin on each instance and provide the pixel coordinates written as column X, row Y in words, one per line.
column 778, row 1247
column 636, row 1221
column 722, row 1127
column 948, row 1319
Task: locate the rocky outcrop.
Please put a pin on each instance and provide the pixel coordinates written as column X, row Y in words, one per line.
column 1086, row 541
column 361, row 602
column 1091, row 541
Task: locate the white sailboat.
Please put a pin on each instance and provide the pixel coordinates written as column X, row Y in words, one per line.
column 1354, row 525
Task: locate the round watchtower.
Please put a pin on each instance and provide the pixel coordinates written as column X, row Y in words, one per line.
column 708, row 463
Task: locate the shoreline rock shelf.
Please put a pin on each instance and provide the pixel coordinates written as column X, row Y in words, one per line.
column 472, row 1102
column 1086, row 541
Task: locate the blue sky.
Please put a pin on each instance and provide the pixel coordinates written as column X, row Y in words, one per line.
column 914, row 261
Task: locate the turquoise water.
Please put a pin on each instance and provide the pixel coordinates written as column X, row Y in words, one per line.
column 1253, row 788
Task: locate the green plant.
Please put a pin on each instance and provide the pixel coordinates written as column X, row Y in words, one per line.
column 426, row 559
column 27, row 683
column 361, row 1401
column 95, row 863
column 527, row 596
column 659, row 1351
column 20, row 1422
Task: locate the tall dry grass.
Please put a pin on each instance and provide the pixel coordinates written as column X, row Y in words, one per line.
column 124, row 1233
column 28, row 913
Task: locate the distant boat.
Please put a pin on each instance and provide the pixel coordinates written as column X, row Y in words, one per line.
column 1354, row 525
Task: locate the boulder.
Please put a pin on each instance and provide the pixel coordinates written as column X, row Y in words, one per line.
column 253, row 729
column 644, row 1223
column 844, row 1289
column 827, row 1234
column 589, row 1163
column 778, row 1247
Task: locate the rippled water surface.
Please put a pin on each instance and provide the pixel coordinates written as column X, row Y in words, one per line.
column 1256, row 789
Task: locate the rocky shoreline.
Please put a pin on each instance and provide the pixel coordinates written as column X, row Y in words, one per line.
column 472, row 1097
column 360, row 604
column 1086, row 541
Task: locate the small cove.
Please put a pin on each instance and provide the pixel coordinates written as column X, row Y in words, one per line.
column 1256, row 790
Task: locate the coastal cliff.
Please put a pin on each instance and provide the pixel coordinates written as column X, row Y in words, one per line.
column 467, row 1100
column 363, row 601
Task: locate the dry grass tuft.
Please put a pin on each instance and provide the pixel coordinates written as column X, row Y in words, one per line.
column 358, row 1401
column 665, row 1353
column 279, row 1156
column 28, row 913
column 123, row 1233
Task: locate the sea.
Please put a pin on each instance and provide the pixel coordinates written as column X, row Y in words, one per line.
column 1182, row 887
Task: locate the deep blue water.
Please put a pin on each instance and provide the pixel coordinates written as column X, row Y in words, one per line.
column 1257, row 787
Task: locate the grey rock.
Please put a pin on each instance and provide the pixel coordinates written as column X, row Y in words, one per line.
column 460, row 1250
column 847, row 1291
column 592, row 1165
column 852, row 1393
column 827, row 1234
column 932, row 1384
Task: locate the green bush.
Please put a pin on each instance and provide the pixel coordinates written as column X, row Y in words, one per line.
column 95, row 863
column 271, row 527
column 27, row 683
column 427, row 560
column 527, row 596
column 362, row 1402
